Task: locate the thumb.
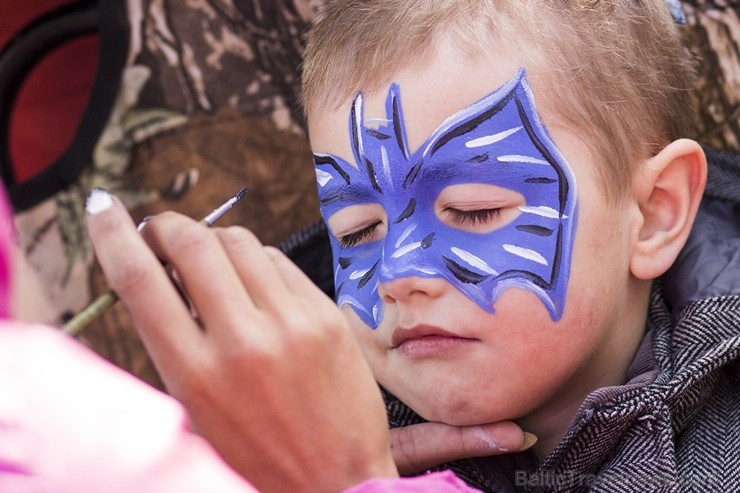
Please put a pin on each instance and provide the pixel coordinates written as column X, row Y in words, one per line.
column 422, row 446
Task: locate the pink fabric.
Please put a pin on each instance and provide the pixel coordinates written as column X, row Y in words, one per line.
column 7, row 244
column 439, row 482
column 71, row 422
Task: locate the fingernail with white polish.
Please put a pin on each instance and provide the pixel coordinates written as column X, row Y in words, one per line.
column 98, row 200
column 143, row 223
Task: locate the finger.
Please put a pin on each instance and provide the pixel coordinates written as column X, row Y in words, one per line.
column 295, row 279
column 211, row 282
column 419, row 447
column 137, row 276
column 257, row 271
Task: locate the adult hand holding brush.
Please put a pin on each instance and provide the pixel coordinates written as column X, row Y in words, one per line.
column 270, row 372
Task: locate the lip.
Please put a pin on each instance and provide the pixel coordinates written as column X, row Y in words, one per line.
column 426, row 341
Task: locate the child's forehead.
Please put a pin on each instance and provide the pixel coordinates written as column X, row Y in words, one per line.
column 429, row 94
column 494, row 136
column 431, row 97
column 437, row 93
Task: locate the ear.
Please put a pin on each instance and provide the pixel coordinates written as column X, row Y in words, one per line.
column 669, row 190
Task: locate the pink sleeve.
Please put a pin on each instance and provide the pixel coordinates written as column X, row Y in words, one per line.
column 439, row 482
column 71, row 422
column 7, row 241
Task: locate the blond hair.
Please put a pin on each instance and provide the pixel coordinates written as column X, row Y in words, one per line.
column 619, row 70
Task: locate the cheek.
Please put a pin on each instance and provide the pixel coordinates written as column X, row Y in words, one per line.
column 528, row 334
column 600, row 257
column 597, row 279
column 369, row 340
column 543, row 355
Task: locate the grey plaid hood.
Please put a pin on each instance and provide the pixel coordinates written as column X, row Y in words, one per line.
column 675, row 425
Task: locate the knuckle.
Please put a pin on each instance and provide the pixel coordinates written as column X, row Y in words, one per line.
column 190, row 237
column 129, row 275
column 247, row 353
column 238, row 240
column 301, row 334
column 469, row 443
column 404, row 448
column 298, row 320
column 237, row 236
column 317, row 329
column 336, row 326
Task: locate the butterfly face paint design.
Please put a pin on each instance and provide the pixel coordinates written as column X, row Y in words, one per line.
column 499, row 141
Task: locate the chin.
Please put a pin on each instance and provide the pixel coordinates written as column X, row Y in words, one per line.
column 459, row 411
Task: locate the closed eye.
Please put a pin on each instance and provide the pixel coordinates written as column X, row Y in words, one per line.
column 354, row 238
column 478, row 207
column 472, row 217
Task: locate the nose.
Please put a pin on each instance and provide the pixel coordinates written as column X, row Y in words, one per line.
column 405, row 289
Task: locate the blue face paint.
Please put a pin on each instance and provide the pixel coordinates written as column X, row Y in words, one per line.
column 499, row 141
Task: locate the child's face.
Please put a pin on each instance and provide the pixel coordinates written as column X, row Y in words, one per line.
column 476, row 259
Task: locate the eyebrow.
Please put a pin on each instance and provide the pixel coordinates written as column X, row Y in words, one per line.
column 440, row 171
column 347, row 193
column 451, row 170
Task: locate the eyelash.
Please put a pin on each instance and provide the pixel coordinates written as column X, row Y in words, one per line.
column 473, row 217
column 352, row 239
column 479, row 216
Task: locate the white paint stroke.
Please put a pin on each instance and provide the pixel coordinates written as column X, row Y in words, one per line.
column 526, row 253
column 406, row 249
column 473, row 260
column 405, row 235
column 541, row 210
column 358, row 274
column 490, row 139
column 322, row 177
column 517, row 158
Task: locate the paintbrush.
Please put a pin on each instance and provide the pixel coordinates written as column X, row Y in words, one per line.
column 75, row 325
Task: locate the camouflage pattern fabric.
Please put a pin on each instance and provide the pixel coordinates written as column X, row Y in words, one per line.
column 713, row 31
